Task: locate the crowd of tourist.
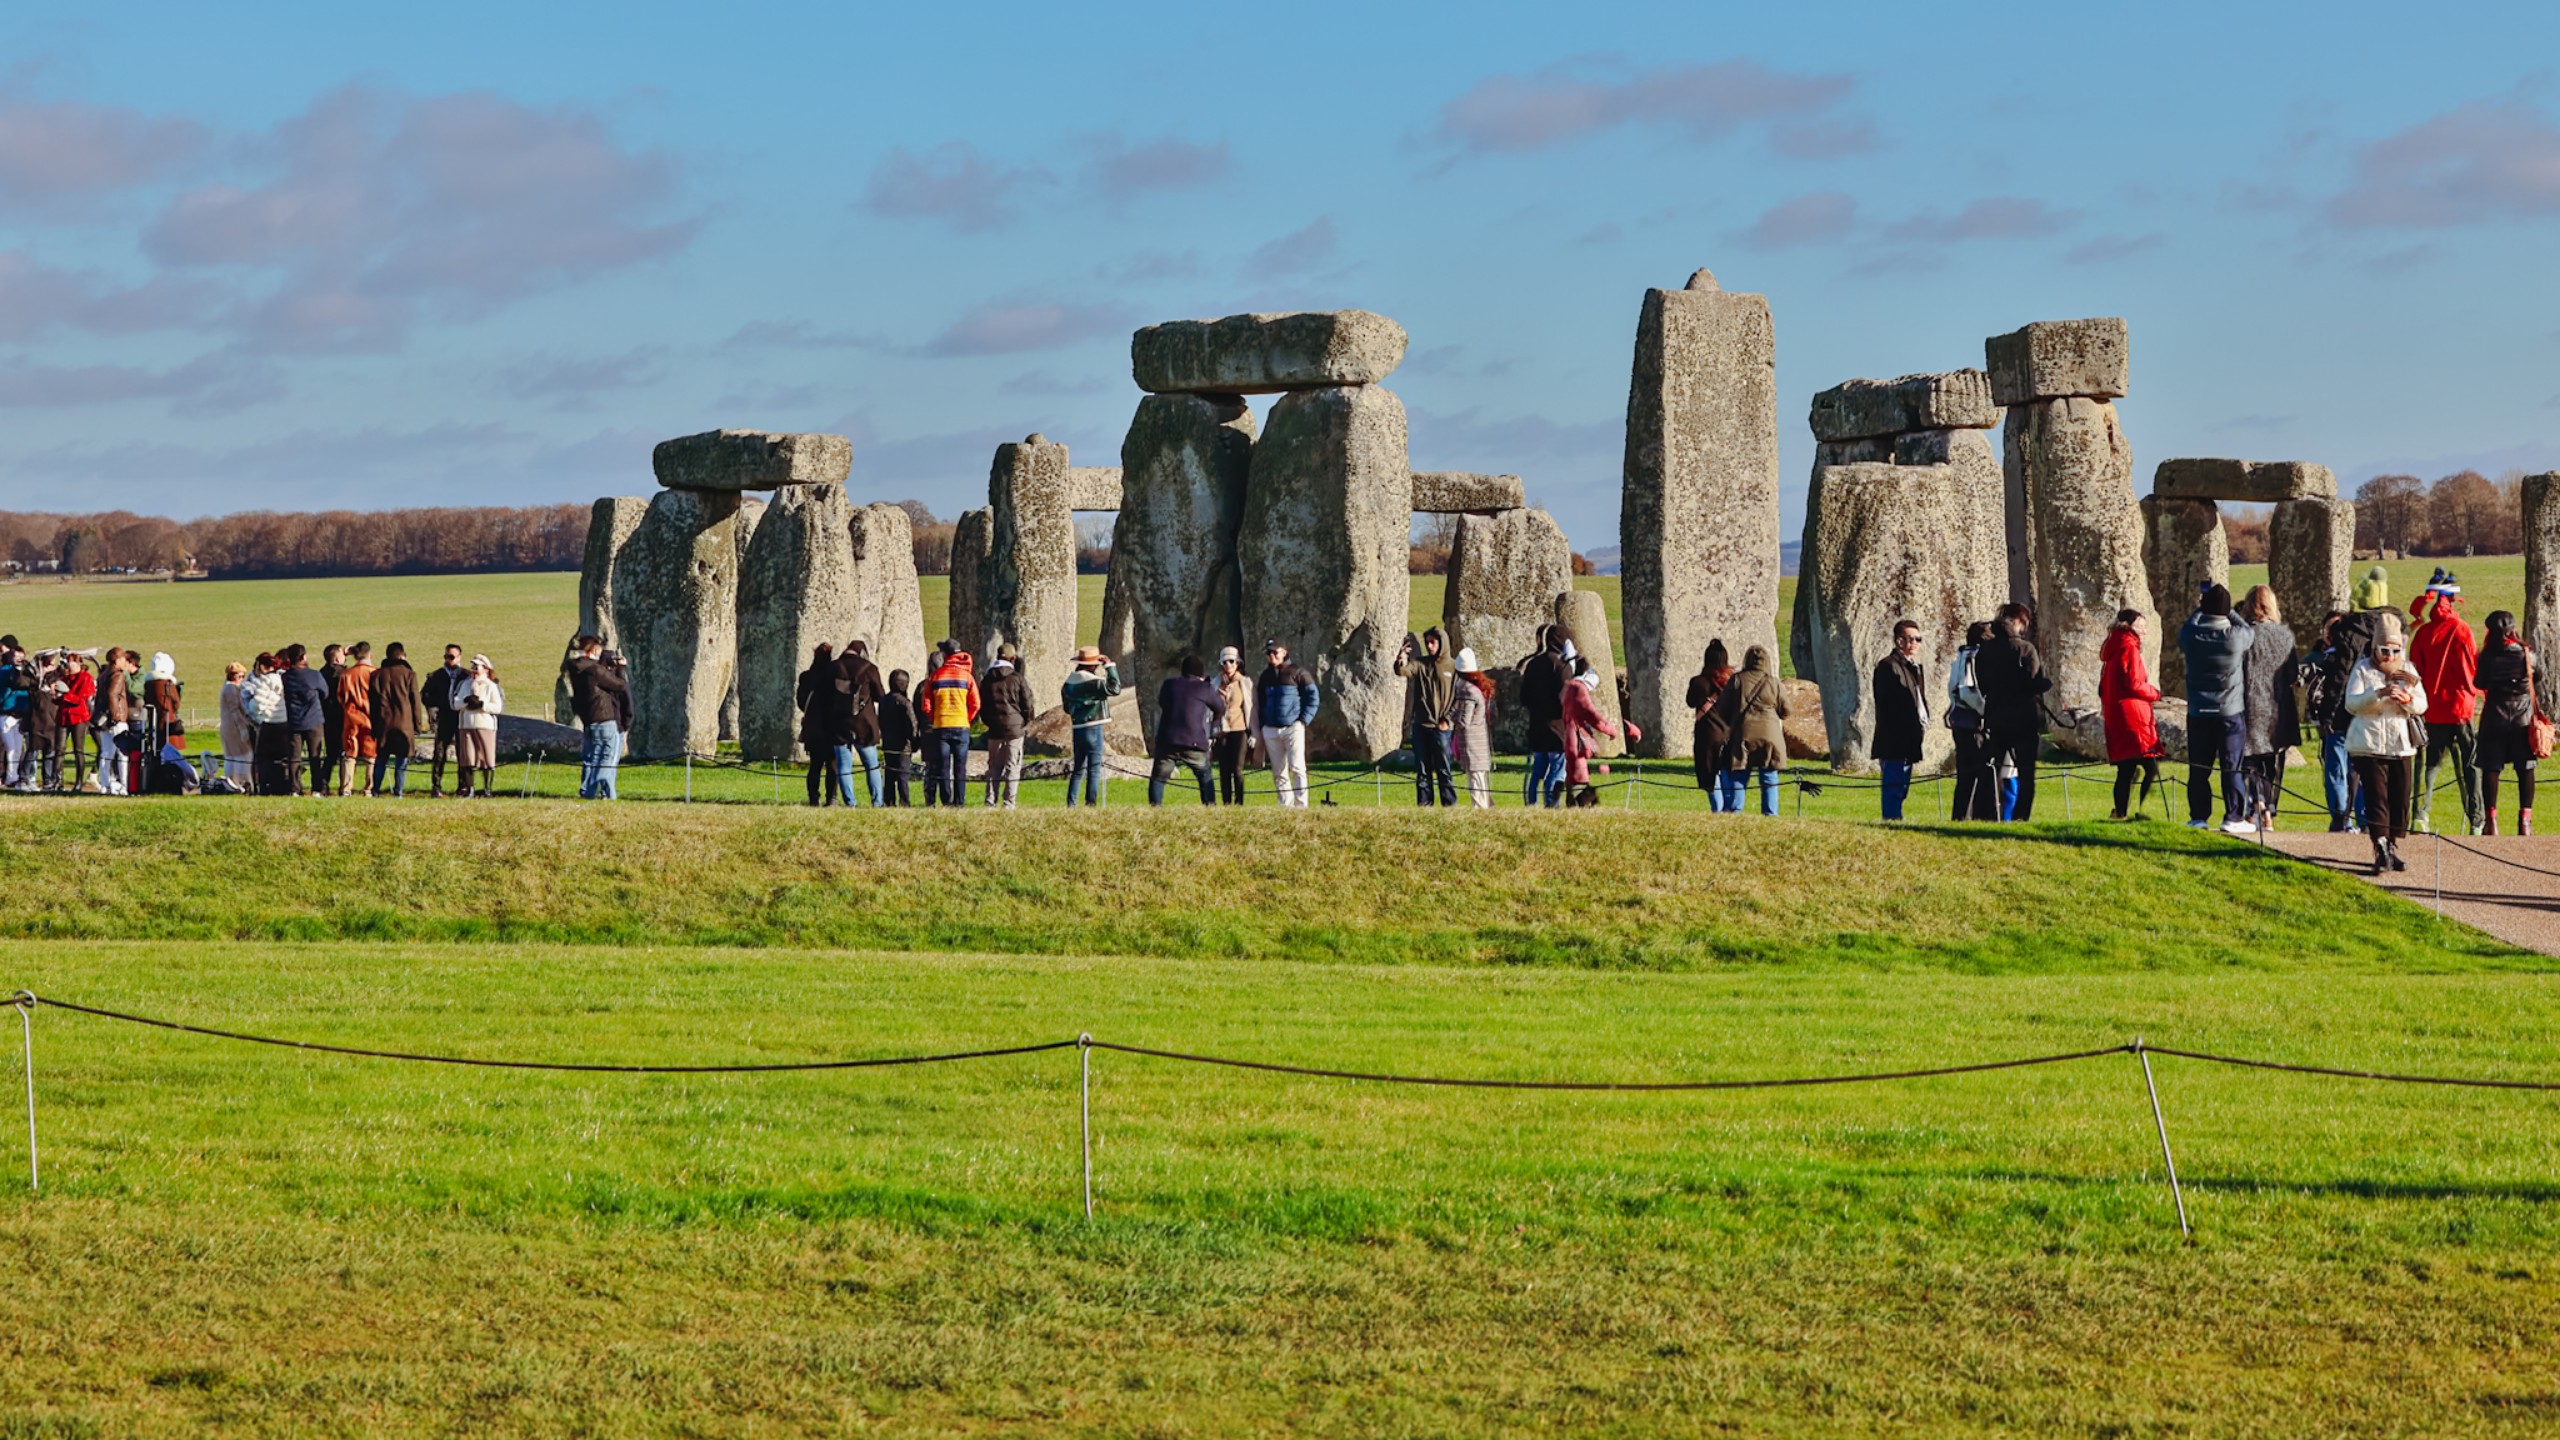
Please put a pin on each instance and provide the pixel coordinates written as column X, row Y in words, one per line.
column 2388, row 704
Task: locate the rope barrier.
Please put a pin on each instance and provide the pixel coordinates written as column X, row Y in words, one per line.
column 1618, row 1085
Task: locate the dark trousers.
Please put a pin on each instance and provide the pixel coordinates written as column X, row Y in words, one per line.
column 2018, row 744
column 946, row 764
column 1977, row 778
column 1195, row 761
column 2456, row 741
column 2386, row 793
column 71, row 746
column 1431, row 766
column 1228, row 750
column 893, row 778
column 274, row 765
column 2216, row 740
column 2524, row 785
column 314, row 751
column 448, row 736
column 822, row 778
column 2149, row 770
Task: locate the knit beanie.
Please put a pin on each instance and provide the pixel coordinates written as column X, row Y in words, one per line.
column 2217, row 601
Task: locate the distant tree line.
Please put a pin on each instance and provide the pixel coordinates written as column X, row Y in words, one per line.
column 2462, row 513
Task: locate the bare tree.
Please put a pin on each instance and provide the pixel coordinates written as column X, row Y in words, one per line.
column 2391, row 513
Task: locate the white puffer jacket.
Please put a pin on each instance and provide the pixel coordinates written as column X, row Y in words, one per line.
column 2378, row 725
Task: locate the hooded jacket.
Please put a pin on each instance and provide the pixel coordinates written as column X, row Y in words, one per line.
column 2009, row 674
column 948, row 698
column 2373, row 592
column 2213, row 646
column 1431, row 678
column 2381, row 726
column 859, row 693
column 1543, row 677
column 1005, row 703
column 1470, row 728
column 2445, row 657
column 1755, row 709
column 2126, row 697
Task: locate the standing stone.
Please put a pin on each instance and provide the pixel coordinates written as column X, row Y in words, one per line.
column 609, row 527
column 2077, row 473
column 1093, row 487
column 970, row 557
column 675, row 609
column 2541, row 617
column 1257, row 354
column 1891, row 542
column 1505, row 572
column 2311, row 552
column 750, row 514
column 2183, row 546
column 796, row 590
column 1698, row 521
column 1322, row 557
column 1030, row 592
column 888, row 611
column 1183, row 469
column 1585, row 617
column 1119, row 633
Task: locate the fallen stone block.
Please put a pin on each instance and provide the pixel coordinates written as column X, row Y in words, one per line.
column 1258, row 354
column 1862, row 409
column 751, row 460
column 1457, row 492
column 2058, row 360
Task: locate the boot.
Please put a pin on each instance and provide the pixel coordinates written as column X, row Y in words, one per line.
column 2381, row 855
column 2391, row 851
column 2489, row 822
column 2524, row 820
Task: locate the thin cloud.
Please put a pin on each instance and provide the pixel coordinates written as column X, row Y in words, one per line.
column 1824, row 217
column 2483, row 163
column 206, row 379
column 1011, row 328
column 1605, row 233
column 1577, row 100
column 37, row 299
column 1119, row 173
column 1154, row 265
column 571, row 383
column 2104, row 248
column 1042, row 382
column 1999, row 217
column 953, row 184
column 1826, row 139
column 56, row 153
column 800, row 335
column 1297, row 252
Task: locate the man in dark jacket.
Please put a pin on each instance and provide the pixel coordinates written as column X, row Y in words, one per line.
column 2214, row 642
column 1543, row 677
column 1285, row 701
column 438, row 696
column 1005, row 707
column 1902, row 715
column 333, row 664
column 306, row 714
column 399, row 717
column 2010, row 675
column 858, row 693
column 1431, row 695
column 597, row 693
column 1188, row 709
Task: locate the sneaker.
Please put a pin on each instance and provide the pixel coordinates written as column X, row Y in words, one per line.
column 2199, row 824
column 2239, row 827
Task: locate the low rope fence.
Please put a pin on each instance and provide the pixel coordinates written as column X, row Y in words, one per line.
column 27, row 1002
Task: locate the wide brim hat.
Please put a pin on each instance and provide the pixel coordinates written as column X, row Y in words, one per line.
column 1088, row 655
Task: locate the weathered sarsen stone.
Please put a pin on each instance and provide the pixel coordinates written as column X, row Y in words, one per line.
column 1119, row 633
column 751, row 460
column 1322, row 557
column 609, row 527
column 1885, row 543
column 1030, row 590
column 1585, row 617
column 2183, row 546
column 2255, row 482
column 1698, row 521
column 2311, row 552
column 2059, row 360
column 1093, row 487
column 796, row 590
column 1258, row 354
column 2541, row 618
column 2087, row 528
column 1862, row 409
column 1505, row 572
column 675, row 603
column 1456, row 492
column 970, row 542
column 888, row 612
column 750, row 514
column 1183, row 467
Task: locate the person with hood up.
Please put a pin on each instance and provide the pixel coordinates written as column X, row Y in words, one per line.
column 2126, row 701
column 1235, row 725
column 1755, row 713
column 947, row 704
column 399, row 716
column 898, row 727
column 1901, row 688
column 1543, row 676
column 2216, row 645
column 1006, row 709
column 2373, row 592
column 1431, row 691
column 2386, row 699
column 1187, row 711
column 1285, row 701
column 822, row 737
column 478, row 702
column 2445, row 657
column 2505, row 679
column 1710, row 738
column 2008, row 673
column 858, row 693
column 1087, row 697
column 2274, row 718
column 354, row 707
column 1471, row 730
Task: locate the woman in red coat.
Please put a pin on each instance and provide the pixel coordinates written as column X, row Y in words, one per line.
column 2125, row 698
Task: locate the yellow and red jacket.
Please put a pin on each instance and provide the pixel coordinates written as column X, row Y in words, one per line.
column 948, row 698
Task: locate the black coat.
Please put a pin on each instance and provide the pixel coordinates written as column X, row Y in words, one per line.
column 1543, row 677
column 858, row 699
column 1902, row 710
column 1004, row 704
column 306, row 699
column 821, row 716
column 598, row 694
column 2010, row 675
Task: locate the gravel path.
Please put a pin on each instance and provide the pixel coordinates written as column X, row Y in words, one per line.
column 2507, row 885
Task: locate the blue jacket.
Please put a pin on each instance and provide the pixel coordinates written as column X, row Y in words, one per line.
column 17, row 690
column 306, row 699
column 1283, row 697
column 2213, row 646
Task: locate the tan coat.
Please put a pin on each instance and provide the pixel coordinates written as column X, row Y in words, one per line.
column 1754, row 709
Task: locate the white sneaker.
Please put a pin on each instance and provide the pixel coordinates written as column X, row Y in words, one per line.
column 2239, row 827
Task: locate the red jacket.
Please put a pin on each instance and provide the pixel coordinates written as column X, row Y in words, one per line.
column 2125, row 697
column 2446, row 657
column 948, row 698
column 76, row 696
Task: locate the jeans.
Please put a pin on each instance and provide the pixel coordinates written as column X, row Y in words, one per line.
column 1286, row 747
column 1085, row 766
column 398, row 768
column 1004, row 771
column 2336, row 781
column 869, row 755
column 1545, row 785
column 1195, row 761
column 1430, row 766
column 2211, row 738
column 1768, row 777
column 1727, row 794
column 2458, row 740
column 599, row 762
column 314, row 754
column 2017, row 745
column 946, row 764
column 1897, row 787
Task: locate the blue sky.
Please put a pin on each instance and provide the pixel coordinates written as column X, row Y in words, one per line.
column 311, row 256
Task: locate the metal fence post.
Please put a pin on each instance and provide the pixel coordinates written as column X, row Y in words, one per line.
column 25, row 1001
column 688, row 776
column 2166, row 1158
column 1084, row 1064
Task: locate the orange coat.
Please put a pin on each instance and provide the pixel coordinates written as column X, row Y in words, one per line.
column 355, row 711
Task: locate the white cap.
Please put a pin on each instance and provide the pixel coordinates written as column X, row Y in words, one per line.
column 1467, row 659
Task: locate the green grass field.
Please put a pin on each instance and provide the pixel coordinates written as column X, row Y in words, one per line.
column 275, row 1242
